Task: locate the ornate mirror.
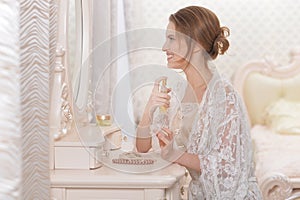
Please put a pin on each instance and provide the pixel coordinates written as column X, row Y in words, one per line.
column 79, row 43
column 70, row 81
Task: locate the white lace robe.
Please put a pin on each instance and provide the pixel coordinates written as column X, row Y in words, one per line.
column 220, row 136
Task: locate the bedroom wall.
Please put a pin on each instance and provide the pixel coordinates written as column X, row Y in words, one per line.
column 258, row 28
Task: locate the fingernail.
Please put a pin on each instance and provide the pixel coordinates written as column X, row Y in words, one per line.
column 164, row 132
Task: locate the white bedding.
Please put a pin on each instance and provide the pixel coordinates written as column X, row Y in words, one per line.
column 275, row 152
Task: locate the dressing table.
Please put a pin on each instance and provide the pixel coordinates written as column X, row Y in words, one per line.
column 75, row 142
column 78, row 174
column 106, row 183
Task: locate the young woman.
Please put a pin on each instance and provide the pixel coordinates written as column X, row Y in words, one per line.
column 209, row 133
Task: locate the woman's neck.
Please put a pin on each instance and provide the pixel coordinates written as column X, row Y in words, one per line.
column 198, row 77
column 198, row 81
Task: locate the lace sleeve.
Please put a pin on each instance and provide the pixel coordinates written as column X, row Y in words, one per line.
column 220, row 166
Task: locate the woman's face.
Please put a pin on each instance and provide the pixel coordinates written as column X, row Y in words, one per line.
column 175, row 48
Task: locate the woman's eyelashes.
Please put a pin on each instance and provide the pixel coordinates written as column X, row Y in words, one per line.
column 171, row 37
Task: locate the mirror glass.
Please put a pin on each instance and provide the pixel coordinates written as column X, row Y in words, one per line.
column 77, row 71
column 71, row 38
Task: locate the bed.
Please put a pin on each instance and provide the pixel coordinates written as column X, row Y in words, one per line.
column 272, row 97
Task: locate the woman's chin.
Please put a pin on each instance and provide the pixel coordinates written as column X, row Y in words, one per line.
column 173, row 66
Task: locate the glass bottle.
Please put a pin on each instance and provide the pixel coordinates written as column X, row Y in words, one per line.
column 163, row 111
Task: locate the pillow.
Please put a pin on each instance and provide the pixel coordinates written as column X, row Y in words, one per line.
column 283, row 117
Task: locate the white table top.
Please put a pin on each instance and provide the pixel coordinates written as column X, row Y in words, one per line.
column 105, row 177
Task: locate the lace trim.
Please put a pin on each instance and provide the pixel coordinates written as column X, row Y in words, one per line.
column 221, row 139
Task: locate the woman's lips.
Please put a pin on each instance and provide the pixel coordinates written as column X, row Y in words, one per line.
column 169, row 56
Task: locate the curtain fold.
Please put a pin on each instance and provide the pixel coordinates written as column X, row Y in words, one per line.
column 10, row 118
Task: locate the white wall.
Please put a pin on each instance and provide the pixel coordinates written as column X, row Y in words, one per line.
column 258, row 27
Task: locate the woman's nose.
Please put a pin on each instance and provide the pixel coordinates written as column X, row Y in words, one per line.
column 165, row 47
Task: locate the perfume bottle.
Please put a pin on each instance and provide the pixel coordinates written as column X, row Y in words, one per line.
column 163, row 112
column 164, row 89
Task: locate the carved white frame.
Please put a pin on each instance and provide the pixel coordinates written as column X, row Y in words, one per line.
column 268, row 68
column 62, row 112
column 273, row 185
column 81, row 113
column 59, row 102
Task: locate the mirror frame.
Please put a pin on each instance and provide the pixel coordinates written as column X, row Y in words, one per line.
column 62, row 112
column 84, row 106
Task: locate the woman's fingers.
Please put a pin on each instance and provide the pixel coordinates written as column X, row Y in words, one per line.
column 157, row 98
column 163, row 95
column 163, row 141
column 168, row 133
column 165, row 136
column 159, row 101
column 157, row 83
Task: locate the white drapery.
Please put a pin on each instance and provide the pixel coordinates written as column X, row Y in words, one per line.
column 10, row 137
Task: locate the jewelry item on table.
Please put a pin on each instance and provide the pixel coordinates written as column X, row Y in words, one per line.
column 133, row 161
column 132, row 158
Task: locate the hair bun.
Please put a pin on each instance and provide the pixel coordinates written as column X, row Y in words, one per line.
column 221, row 44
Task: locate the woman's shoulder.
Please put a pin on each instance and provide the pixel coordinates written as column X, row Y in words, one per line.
column 219, row 83
column 222, row 93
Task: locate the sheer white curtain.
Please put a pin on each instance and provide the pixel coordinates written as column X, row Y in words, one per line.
column 10, row 118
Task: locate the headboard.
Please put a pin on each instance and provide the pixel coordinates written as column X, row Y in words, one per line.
column 261, row 83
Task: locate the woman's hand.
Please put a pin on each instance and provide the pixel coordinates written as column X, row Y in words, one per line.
column 158, row 98
column 169, row 151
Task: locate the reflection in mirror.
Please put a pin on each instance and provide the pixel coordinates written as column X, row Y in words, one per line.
column 78, row 43
column 74, row 40
column 71, row 38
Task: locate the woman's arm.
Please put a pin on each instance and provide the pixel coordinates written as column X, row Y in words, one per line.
column 223, row 162
column 189, row 160
column 143, row 139
column 157, row 98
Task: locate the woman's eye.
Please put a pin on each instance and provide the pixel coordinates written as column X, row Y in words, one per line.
column 171, row 38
